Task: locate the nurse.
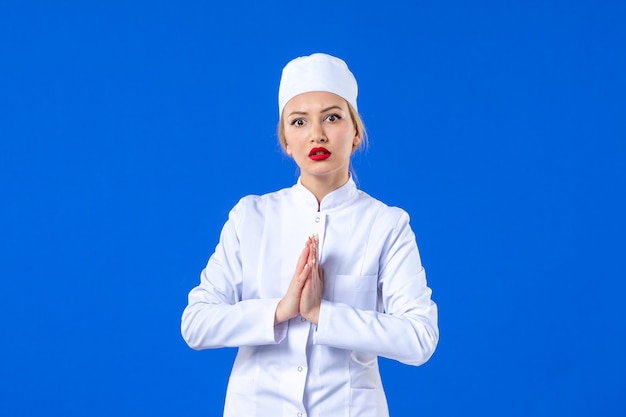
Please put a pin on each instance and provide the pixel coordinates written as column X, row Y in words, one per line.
column 313, row 282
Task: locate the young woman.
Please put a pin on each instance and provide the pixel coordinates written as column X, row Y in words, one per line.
column 314, row 282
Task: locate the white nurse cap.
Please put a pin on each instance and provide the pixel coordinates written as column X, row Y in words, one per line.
column 317, row 72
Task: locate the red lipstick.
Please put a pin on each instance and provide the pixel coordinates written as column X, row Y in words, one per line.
column 319, row 154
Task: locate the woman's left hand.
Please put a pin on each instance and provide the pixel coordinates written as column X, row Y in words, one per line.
column 312, row 292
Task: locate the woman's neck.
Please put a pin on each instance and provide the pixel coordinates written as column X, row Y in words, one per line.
column 321, row 186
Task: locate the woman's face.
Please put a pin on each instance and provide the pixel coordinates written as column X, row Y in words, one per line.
column 320, row 136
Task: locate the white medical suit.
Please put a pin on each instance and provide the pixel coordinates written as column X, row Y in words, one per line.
column 375, row 302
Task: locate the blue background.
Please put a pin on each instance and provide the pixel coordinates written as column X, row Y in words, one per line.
column 128, row 129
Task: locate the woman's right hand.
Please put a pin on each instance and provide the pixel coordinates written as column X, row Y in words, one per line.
column 289, row 305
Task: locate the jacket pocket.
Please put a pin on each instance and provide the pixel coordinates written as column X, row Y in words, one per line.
column 364, row 403
column 360, row 291
column 240, row 397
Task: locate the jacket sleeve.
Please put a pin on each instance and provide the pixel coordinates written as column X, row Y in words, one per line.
column 405, row 328
column 216, row 316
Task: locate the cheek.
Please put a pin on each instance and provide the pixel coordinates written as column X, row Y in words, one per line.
column 293, row 140
column 291, row 144
column 285, row 140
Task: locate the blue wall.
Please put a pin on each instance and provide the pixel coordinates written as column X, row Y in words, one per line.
column 129, row 129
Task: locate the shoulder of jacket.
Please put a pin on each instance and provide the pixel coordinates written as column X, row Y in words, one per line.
column 384, row 212
column 254, row 203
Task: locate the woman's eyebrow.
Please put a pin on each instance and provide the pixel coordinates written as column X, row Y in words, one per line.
column 298, row 112
column 330, row 108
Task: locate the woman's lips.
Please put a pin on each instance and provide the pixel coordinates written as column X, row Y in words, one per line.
column 319, row 154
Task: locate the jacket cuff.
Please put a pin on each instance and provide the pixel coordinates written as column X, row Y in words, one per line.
column 278, row 331
column 322, row 321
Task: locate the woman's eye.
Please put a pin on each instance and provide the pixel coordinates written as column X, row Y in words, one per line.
column 297, row 122
column 333, row 117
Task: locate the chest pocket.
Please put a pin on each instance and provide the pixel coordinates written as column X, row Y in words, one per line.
column 360, row 291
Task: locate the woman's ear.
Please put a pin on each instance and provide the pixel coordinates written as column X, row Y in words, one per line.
column 356, row 142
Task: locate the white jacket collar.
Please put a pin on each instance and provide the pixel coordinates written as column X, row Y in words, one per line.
column 332, row 200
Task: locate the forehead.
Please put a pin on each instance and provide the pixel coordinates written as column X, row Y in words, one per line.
column 315, row 100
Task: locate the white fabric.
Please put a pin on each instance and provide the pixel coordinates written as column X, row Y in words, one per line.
column 376, row 302
column 317, row 72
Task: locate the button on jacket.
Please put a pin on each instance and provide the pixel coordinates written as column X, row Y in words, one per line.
column 375, row 303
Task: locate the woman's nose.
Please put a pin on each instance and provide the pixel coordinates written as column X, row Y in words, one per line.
column 317, row 133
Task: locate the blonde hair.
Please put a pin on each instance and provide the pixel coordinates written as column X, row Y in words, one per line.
column 356, row 119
